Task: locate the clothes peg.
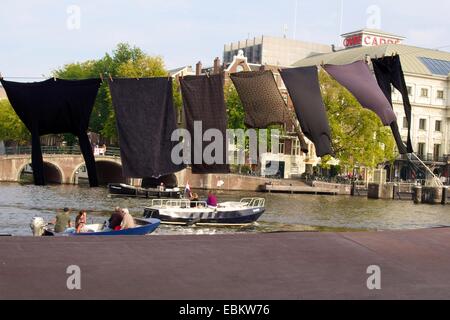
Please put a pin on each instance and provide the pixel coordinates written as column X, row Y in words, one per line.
column 54, row 79
column 110, row 78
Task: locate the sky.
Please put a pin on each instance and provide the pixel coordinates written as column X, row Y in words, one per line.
column 37, row 37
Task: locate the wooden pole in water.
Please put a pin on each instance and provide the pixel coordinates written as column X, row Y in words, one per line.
column 417, row 194
column 445, row 191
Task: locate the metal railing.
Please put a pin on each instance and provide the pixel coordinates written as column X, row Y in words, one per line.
column 181, row 203
column 186, row 203
column 50, row 150
column 430, row 158
column 254, row 202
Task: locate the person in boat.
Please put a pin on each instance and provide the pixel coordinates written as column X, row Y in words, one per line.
column 62, row 221
column 116, row 219
column 127, row 221
column 81, row 221
column 212, row 200
column 194, row 200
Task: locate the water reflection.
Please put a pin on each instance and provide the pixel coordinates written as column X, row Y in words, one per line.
column 285, row 213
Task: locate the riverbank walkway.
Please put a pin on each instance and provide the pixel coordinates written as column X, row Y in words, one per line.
column 414, row 265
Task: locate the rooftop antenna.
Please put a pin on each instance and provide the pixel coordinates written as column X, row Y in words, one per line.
column 295, row 19
column 341, row 21
column 285, row 30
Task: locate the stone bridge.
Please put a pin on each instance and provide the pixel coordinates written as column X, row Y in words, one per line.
column 61, row 168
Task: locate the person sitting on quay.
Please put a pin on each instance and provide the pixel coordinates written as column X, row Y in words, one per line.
column 212, row 200
column 62, row 221
column 127, row 221
column 81, row 221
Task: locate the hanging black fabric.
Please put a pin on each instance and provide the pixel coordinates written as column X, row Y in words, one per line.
column 388, row 70
column 263, row 103
column 303, row 86
column 146, row 119
column 55, row 106
column 204, row 102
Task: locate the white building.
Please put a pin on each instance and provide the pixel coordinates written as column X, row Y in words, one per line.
column 2, row 93
column 427, row 74
column 273, row 51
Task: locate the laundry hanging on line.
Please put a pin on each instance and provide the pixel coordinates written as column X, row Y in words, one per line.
column 204, row 102
column 304, row 89
column 146, row 119
column 388, row 70
column 55, row 106
column 263, row 103
column 359, row 80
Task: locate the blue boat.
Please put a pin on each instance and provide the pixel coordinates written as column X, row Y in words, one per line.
column 143, row 227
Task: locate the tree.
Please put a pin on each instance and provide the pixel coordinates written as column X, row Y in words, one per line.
column 235, row 109
column 11, row 127
column 125, row 61
column 359, row 137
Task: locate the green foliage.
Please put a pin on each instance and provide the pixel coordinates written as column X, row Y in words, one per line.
column 127, row 62
column 235, row 109
column 11, row 127
column 359, row 137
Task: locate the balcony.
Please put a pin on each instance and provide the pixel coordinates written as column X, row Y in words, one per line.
column 429, row 158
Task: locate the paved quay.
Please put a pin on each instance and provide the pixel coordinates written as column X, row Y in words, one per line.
column 414, row 265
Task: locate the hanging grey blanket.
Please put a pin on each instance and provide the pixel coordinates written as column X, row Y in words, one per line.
column 146, row 119
column 304, row 89
column 204, row 103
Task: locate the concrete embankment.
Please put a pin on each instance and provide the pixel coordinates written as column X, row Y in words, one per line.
column 232, row 182
column 412, row 265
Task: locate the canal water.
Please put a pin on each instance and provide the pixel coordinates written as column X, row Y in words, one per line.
column 20, row 203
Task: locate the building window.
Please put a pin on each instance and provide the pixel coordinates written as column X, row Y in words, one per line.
column 282, row 148
column 423, row 124
column 424, row 93
column 421, row 150
column 437, row 152
column 438, row 126
column 410, row 92
column 405, row 123
column 440, row 94
column 295, row 147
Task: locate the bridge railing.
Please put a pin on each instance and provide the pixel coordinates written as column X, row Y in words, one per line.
column 50, row 150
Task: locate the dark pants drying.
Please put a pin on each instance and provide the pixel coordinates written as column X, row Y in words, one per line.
column 53, row 107
column 38, row 161
column 389, row 72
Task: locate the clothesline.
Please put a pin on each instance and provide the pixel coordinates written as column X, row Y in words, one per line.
column 363, row 58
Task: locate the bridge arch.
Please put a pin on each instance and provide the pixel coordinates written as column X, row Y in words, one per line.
column 108, row 171
column 53, row 173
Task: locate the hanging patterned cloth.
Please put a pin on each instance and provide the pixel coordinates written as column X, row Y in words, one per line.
column 146, row 119
column 303, row 86
column 359, row 80
column 263, row 103
column 53, row 107
column 204, row 104
column 388, row 70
